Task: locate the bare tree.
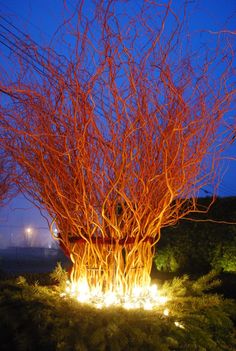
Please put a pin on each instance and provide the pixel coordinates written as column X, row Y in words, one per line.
column 116, row 140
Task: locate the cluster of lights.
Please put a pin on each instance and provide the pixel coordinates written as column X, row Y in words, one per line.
column 141, row 297
column 146, row 298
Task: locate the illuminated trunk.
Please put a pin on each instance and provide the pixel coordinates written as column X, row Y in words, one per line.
column 112, row 265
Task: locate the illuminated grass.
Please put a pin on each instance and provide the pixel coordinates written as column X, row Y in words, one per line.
column 34, row 317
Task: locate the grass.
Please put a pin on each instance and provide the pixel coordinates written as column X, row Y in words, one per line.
column 34, row 317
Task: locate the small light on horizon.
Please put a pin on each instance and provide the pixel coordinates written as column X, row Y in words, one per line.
column 28, row 230
column 29, row 236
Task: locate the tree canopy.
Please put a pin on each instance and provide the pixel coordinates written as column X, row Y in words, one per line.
column 115, row 138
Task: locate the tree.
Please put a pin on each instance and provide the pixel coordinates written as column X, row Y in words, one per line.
column 116, row 139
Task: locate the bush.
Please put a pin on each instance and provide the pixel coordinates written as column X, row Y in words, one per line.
column 197, row 247
column 166, row 260
column 224, row 257
column 34, row 317
column 60, row 276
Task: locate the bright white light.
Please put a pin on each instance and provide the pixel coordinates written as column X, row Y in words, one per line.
column 29, row 236
column 83, row 287
column 28, row 230
column 153, row 290
column 128, row 305
column 166, row 312
column 137, row 291
column 82, row 297
column 98, row 305
column 179, row 325
column 162, row 299
column 141, row 297
column 148, row 305
column 72, row 289
column 110, row 299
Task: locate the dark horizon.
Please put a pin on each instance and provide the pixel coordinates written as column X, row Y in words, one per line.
column 13, row 228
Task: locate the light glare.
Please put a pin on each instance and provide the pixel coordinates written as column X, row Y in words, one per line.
column 145, row 297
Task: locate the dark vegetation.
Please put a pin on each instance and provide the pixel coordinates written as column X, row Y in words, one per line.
column 35, row 317
column 197, row 247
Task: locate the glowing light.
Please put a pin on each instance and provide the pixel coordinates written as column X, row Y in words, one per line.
column 83, row 287
column 166, row 312
column 72, row 289
column 82, row 297
column 179, row 325
column 128, row 305
column 148, row 305
column 137, row 291
column 131, row 305
column 162, row 300
column 29, row 235
column 110, row 299
column 28, row 230
column 145, row 297
column 153, row 290
column 98, row 305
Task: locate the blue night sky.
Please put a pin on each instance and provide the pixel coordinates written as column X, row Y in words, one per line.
column 40, row 19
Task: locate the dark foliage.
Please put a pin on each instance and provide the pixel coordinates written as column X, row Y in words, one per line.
column 196, row 247
column 34, row 317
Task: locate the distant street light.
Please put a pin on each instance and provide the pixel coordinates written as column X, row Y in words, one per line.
column 28, row 236
column 28, row 231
